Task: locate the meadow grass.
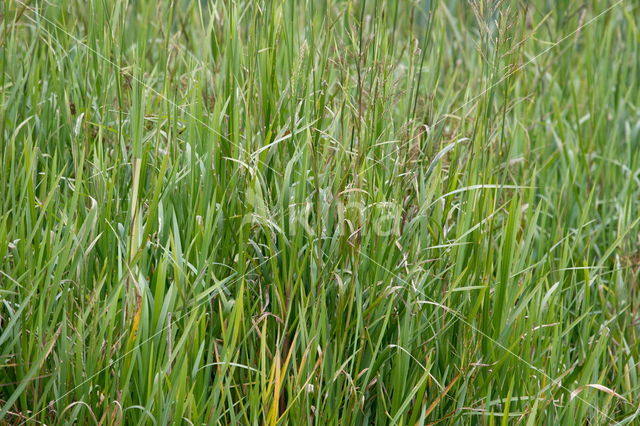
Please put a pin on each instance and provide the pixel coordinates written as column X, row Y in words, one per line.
column 319, row 212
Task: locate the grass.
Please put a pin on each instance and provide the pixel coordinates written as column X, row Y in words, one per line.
column 324, row 212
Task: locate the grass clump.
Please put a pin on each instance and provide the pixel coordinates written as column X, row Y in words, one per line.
column 327, row 211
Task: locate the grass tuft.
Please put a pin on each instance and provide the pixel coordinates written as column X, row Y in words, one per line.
column 321, row 211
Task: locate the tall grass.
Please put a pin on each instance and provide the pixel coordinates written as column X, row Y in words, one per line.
column 322, row 211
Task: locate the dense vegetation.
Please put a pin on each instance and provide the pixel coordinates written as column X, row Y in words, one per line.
column 321, row 211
